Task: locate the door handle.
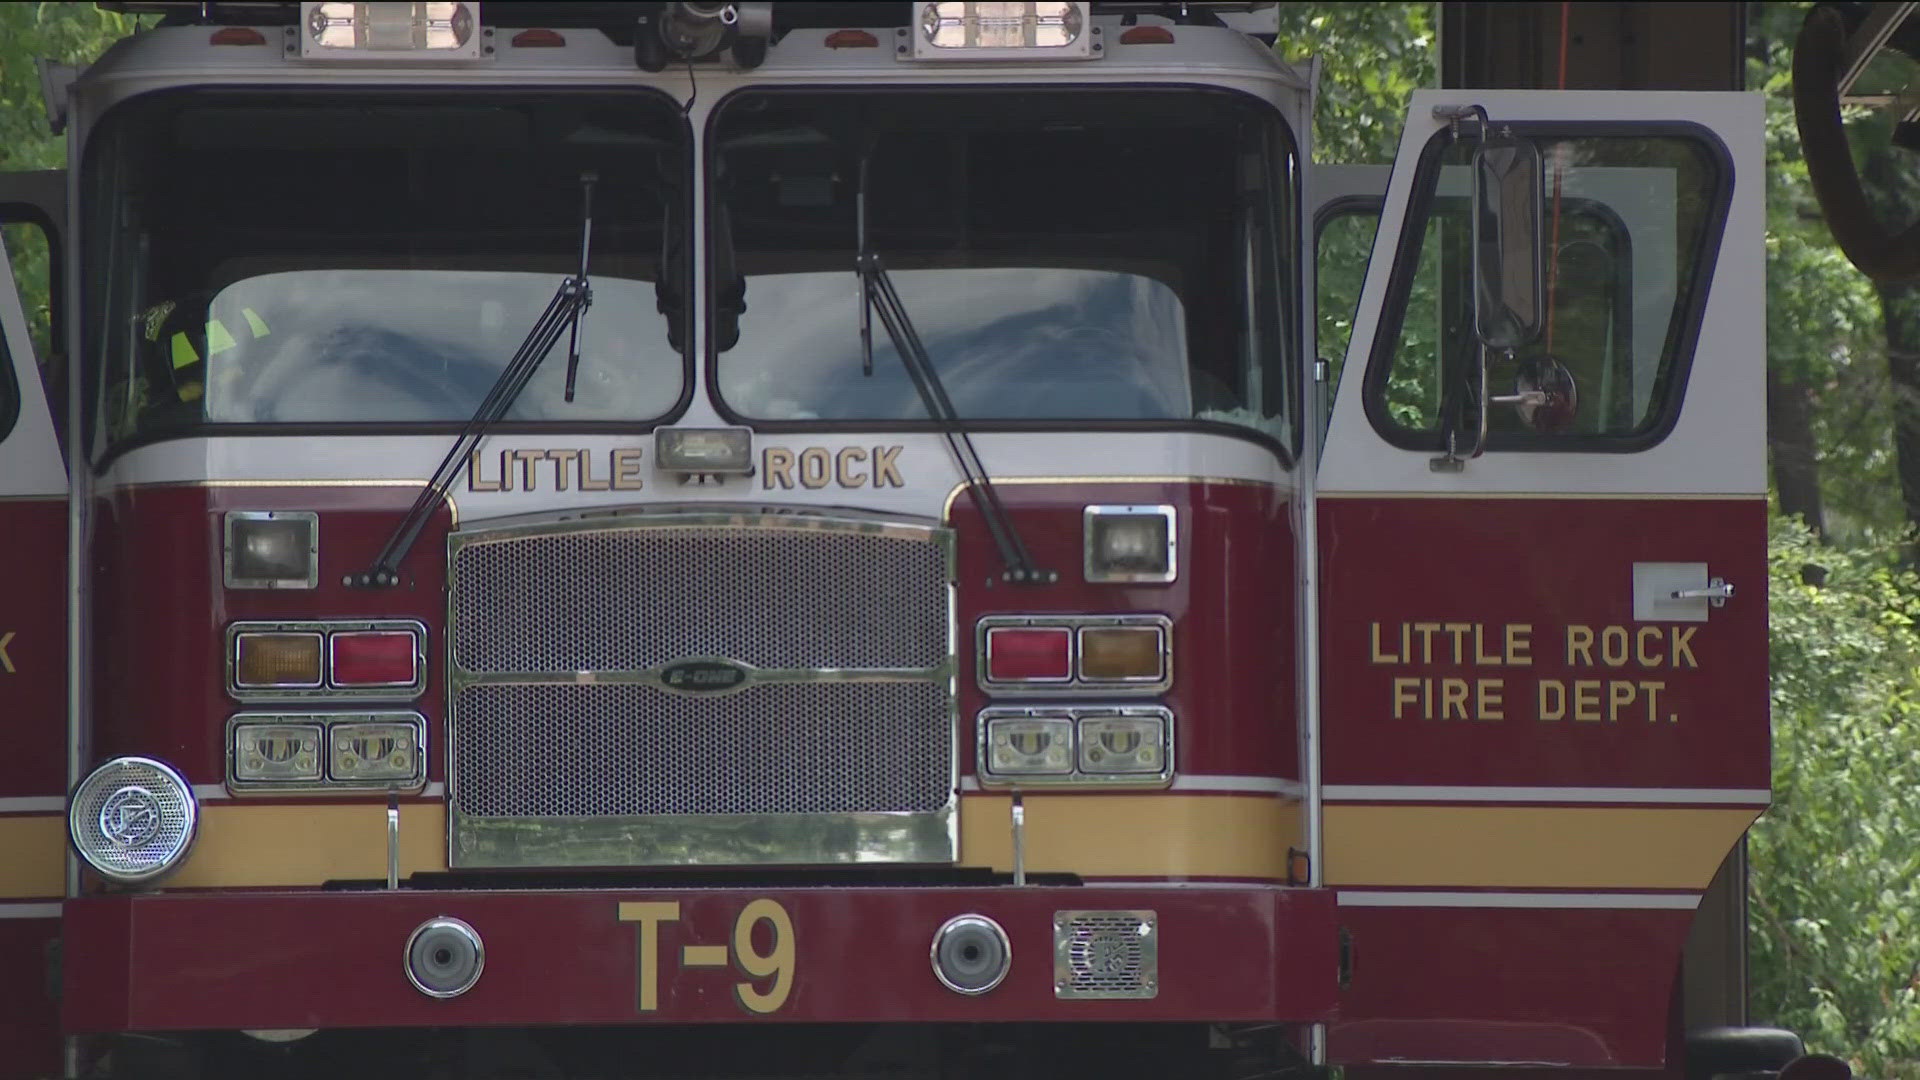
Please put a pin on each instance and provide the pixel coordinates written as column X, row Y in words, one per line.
column 1717, row 593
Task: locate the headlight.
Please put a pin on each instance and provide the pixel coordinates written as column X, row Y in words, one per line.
column 374, row 753
column 132, row 819
column 1122, row 744
column 273, row 549
column 1029, row 746
column 1130, row 543
column 276, row 753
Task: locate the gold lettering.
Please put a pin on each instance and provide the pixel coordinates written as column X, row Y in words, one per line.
column 1640, row 653
column 885, row 472
column 1453, row 693
column 626, row 469
column 6, row 661
column 1580, row 641
column 1406, row 691
column 506, row 470
column 1487, row 695
column 1519, row 645
column 560, row 459
column 776, row 463
column 650, row 915
column 843, row 472
column 1586, row 699
column 1681, row 652
column 1652, row 690
column 1379, row 657
column 526, row 458
column 1480, row 654
column 1619, row 693
column 1613, row 645
column 476, row 482
column 1458, row 631
column 1553, row 699
column 1426, row 631
column 813, row 467
column 588, row 482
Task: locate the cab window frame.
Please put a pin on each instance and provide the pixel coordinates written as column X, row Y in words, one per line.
column 1683, row 334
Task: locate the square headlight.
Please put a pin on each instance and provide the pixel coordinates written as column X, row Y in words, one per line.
column 270, row 753
column 272, row 549
column 1029, row 746
column 1123, row 744
column 375, row 753
column 1129, row 543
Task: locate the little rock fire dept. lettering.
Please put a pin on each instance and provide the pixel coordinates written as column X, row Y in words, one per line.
column 817, row 467
column 617, row 469
column 1626, row 655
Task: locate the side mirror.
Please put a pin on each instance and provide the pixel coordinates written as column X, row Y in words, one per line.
column 1506, row 242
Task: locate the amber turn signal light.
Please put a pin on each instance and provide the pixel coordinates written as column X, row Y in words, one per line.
column 1122, row 654
column 276, row 659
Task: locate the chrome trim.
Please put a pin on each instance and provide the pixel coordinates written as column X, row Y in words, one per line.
column 419, row 659
column 1075, row 713
column 325, row 691
column 1067, row 929
column 328, row 722
column 189, row 809
column 1073, row 624
column 233, row 581
column 970, row 921
column 704, row 839
column 234, row 684
column 1105, row 576
column 459, row 927
column 708, row 839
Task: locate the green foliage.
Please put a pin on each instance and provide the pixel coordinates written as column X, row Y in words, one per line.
column 1835, row 884
column 69, row 33
column 1375, row 57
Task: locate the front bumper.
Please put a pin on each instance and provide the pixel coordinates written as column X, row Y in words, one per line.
column 181, row 961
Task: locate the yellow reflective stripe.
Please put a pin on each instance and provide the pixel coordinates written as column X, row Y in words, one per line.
column 218, row 340
column 183, row 354
column 255, row 323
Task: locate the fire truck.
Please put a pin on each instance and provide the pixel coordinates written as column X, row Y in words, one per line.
column 602, row 540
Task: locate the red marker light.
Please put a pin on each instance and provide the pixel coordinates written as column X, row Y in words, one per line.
column 538, row 38
column 375, row 658
column 237, row 35
column 1147, row 35
column 1029, row 654
column 852, row 39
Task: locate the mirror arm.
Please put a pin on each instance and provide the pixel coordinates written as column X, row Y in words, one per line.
column 1453, row 461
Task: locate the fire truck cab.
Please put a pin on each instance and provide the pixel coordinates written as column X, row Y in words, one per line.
column 927, row 539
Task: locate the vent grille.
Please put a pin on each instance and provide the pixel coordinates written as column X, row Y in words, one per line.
column 1106, row 955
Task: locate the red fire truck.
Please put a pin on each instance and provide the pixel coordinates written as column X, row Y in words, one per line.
column 819, row 539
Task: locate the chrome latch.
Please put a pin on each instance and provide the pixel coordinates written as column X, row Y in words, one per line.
column 1717, row 593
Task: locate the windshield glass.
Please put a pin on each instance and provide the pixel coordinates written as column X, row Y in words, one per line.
column 341, row 261
column 1065, row 255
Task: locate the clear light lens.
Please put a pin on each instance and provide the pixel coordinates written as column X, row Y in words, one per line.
column 269, row 753
column 271, row 659
column 390, row 27
column 1122, row 744
column 375, row 658
column 272, row 550
column 1030, row 746
column 369, row 753
column 132, row 819
column 704, row 450
column 1121, row 654
column 985, row 25
column 1129, row 543
column 1029, row 654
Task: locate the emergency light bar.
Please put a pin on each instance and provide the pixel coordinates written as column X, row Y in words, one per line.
column 981, row 30
column 389, row 31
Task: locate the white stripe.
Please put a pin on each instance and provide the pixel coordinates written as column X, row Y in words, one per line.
column 1441, row 793
column 435, row 790
column 31, row 804
column 210, row 792
column 1658, row 901
column 1263, row 784
column 29, row 911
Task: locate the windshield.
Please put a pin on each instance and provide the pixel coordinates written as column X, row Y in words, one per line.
column 1065, row 255
column 333, row 262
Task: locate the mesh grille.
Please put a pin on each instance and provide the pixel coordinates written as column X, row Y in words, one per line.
column 558, row 750
column 637, row 597
column 1106, row 954
column 147, row 807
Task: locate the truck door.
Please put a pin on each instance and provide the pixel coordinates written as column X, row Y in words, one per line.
column 33, row 643
column 1543, row 636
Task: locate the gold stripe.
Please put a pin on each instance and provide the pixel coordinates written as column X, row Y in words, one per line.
column 35, row 863
column 1557, row 496
column 1549, row 847
column 251, row 845
column 1148, row 835
column 946, row 509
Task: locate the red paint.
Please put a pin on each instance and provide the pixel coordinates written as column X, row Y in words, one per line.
column 29, row 1015
column 1233, row 695
column 33, row 609
column 334, row 959
column 1548, row 564
column 161, row 608
column 1575, row 987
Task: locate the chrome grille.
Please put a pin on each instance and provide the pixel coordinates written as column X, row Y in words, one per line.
column 1106, row 954
column 574, row 739
column 773, row 748
column 772, row 597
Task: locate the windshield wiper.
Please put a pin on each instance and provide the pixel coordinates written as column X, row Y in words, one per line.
column 878, row 294
column 563, row 314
